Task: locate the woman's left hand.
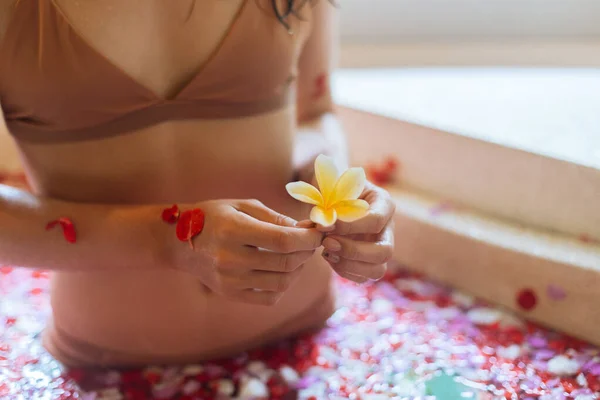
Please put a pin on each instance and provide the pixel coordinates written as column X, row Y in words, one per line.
column 359, row 250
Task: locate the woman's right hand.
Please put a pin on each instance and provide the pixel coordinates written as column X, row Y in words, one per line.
column 246, row 251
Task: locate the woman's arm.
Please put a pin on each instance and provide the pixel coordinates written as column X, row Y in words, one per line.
column 319, row 129
column 108, row 237
column 245, row 251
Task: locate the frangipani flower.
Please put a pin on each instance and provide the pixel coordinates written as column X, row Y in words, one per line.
column 338, row 195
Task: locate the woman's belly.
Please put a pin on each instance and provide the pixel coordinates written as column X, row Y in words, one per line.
column 170, row 315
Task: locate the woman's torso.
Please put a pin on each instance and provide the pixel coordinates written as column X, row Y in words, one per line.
column 161, row 46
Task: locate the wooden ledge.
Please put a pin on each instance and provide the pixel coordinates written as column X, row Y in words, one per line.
column 495, row 259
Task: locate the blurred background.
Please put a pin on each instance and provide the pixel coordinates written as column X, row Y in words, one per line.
column 470, row 32
column 522, row 73
column 492, row 110
column 492, row 105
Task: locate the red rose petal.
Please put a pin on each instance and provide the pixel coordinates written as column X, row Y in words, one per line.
column 190, row 224
column 171, row 215
column 67, row 227
column 382, row 174
column 320, row 86
column 152, row 377
column 527, row 299
column 377, row 175
column 587, row 238
column 6, row 270
column 391, row 164
column 39, row 274
column 76, row 374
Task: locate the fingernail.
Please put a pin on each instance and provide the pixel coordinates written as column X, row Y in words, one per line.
column 322, row 228
column 332, row 258
column 305, row 224
column 332, row 244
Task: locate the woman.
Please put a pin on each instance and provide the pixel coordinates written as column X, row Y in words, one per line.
column 120, row 109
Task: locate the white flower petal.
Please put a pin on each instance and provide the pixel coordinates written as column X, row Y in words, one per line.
column 304, row 192
column 349, row 187
column 324, row 217
column 327, row 174
column 563, row 366
column 351, row 210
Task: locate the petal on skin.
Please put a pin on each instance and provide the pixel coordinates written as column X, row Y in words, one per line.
column 351, row 210
column 327, row 174
column 349, row 187
column 304, row 192
column 323, row 217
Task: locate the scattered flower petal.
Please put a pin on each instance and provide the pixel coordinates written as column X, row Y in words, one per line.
column 556, row 292
column 526, row 299
column 587, row 238
column 391, row 164
column 463, row 299
column 171, row 215
column 193, row 369
column 384, row 341
column 563, row 366
column 67, row 227
column 253, row 388
column 289, row 374
column 190, row 225
column 225, row 387
column 511, row 352
column 484, row 316
column 537, row 342
column 320, row 86
column 190, row 387
column 384, row 173
column 594, row 369
column 6, row 270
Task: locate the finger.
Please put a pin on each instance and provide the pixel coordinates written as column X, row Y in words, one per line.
column 306, row 223
column 366, row 270
column 271, row 281
column 264, row 260
column 280, row 239
column 325, row 229
column 256, row 297
column 378, row 252
column 258, row 210
column 381, row 211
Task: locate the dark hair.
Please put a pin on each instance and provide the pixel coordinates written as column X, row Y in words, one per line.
column 282, row 15
column 290, row 8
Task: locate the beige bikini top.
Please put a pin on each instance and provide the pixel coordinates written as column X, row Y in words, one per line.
column 54, row 87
